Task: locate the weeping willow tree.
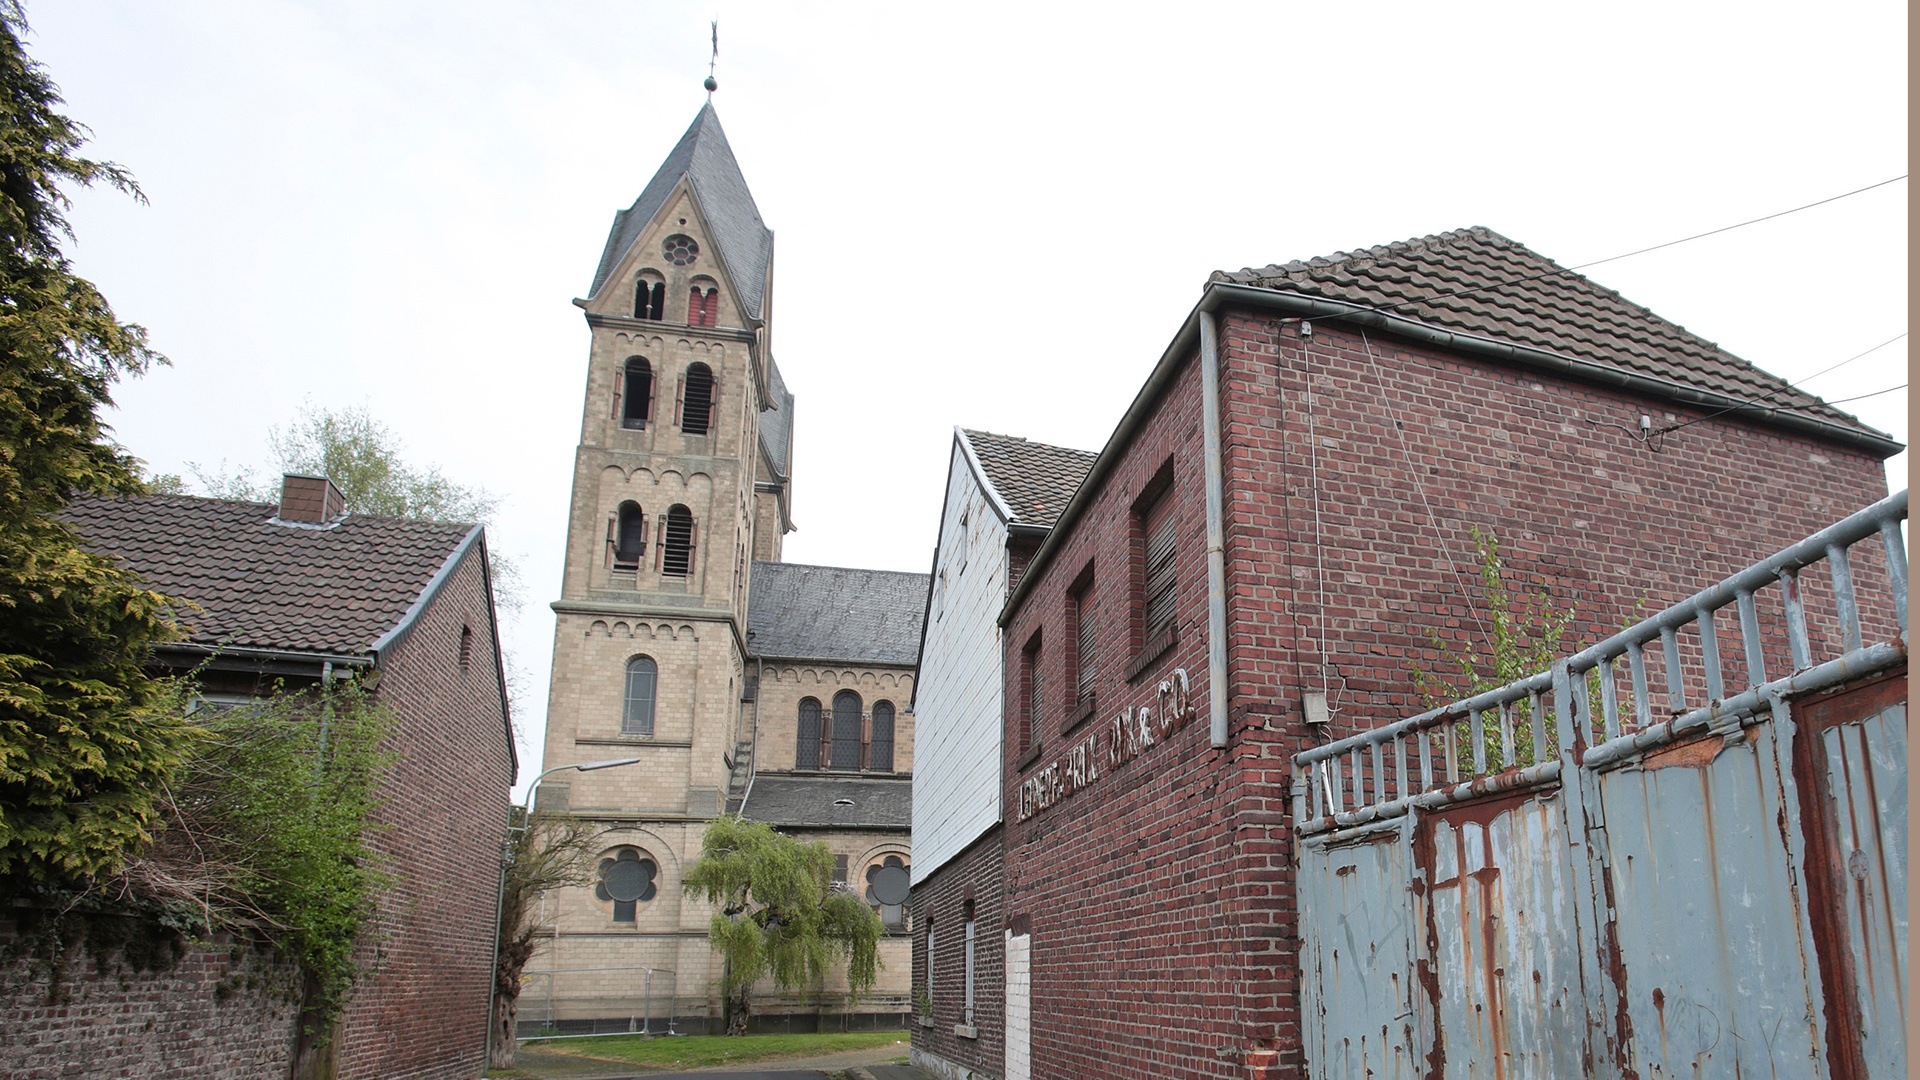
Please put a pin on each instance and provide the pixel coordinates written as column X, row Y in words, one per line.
column 778, row 914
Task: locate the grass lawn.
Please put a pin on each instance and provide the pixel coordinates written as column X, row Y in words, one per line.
column 693, row 1051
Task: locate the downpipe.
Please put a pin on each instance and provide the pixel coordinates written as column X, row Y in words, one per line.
column 1216, row 532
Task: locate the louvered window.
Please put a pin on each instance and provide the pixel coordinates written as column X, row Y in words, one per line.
column 630, row 537
column 1085, row 665
column 806, row 754
column 1030, row 708
column 846, row 730
column 696, row 403
column 1158, row 599
column 643, row 677
column 880, row 749
column 636, row 394
column 676, row 546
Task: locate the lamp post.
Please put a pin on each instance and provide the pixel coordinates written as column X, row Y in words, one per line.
column 506, row 860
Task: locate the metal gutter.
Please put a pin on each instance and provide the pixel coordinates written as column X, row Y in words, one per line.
column 1212, row 465
column 421, row 602
column 287, row 656
column 1218, row 293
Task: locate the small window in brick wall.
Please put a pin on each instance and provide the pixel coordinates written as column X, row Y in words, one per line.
column 627, row 880
column 627, row 537
column 1158, row 590
column 466, row 647
column 1085, row 666
column 1029, row 709
column 643, row 679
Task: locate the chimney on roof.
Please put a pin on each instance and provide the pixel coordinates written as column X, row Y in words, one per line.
column 310, row 499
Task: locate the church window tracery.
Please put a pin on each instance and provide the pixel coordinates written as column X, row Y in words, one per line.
column 680, row 250
column 627, row 880
column 806, row 753
column 650, row 296
column 880, row 747
column 846, row 731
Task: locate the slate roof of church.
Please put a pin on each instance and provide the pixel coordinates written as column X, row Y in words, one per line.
column 801, row 801
column 1034, row 479
column 776, row 424
column 705, row 159
column 800, row 612
column 258, row 583
column 1482, row 283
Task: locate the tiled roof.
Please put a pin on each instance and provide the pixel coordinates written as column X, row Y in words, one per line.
column 1034, row 479
column 1479, row 282
column 776, row 424
column 801, row 612
column 877, row 802
column 259, row 584
column 705, row 159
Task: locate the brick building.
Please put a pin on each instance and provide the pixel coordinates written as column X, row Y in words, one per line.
column 1003, row 495
column 1279, row 530
column 293, row 595
column 740, row 681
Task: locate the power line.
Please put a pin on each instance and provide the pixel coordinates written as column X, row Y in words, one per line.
column 1782, row 389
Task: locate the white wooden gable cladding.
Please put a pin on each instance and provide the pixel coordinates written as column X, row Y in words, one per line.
column 957, row 702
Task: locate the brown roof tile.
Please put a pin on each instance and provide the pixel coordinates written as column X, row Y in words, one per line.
column 1477, row 281
column 259, row 583
column 1034, row 479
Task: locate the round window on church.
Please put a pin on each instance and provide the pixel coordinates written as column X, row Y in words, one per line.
column 680, row 250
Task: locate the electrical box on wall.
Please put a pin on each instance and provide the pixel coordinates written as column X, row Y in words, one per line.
column 1314, row 706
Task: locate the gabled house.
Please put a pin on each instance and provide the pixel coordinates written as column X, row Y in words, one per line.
column 1280, row 529
column 1003, row 495
column 290, row 595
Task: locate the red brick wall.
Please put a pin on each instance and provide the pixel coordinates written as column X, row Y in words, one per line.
column 1160, row 895
column 423, row 1011
column 939, row 901
column 224, row 1010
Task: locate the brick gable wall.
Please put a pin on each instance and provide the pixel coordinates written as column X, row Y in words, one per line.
column 1160, row 894
column 422, row 1013
column 939, row 902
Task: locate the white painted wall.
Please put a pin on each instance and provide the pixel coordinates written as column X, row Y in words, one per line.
column 1019, row 1047
column 956, row 766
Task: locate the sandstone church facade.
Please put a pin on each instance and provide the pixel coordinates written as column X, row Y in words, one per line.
column 743, row 683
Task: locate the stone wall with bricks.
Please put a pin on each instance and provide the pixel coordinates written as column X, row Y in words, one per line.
column 420, row 1010
column 226, row 1008
column 1154, row 869
column 959, row 1045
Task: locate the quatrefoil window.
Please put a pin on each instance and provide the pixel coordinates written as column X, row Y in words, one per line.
column 626, row 880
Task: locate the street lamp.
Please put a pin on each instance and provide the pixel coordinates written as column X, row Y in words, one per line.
column 506, row 860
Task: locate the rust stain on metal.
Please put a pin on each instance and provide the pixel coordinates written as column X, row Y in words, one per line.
column 1424, row 969
column 1693, row 753
column 1826, row 873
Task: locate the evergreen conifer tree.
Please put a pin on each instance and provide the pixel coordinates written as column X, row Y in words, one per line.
column 85, row 740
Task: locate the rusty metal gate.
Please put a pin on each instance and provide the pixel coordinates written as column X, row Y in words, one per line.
column 1544, row 881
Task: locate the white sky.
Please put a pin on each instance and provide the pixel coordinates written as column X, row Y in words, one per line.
column 986, row 215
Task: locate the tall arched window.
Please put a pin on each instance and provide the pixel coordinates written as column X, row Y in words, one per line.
column 880, row 748
column 676, row 548
column 649, row 298
column 846, row 730
column 629, row 537
column 636, row 399
column 806, row 752
column 696, row 402
column 643, row 679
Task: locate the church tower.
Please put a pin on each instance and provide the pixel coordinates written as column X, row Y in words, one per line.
column 679, row 483
column 740, row 683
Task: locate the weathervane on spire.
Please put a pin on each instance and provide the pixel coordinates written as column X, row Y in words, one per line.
column 711, row 84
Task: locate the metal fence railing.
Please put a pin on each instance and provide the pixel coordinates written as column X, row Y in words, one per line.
column 1786, row 631
column 563, row 1003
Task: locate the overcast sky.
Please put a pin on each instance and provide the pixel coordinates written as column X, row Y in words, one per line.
column 986, row 215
